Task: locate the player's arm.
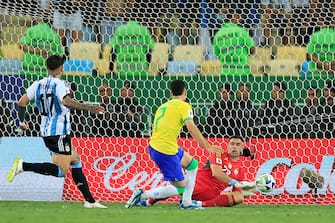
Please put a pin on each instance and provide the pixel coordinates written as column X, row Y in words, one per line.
column 223, row 177
column 24, row 100
column 196, row 134
column 219, row 175
column 73, row 104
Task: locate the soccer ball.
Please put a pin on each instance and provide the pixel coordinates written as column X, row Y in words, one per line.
column 265, row 183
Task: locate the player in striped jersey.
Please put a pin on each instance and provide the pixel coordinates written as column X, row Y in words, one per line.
column 52, row 98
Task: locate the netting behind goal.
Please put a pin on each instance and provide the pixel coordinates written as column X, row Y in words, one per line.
column 260, row 70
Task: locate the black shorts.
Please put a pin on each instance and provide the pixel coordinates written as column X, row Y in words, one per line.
column 60, row 144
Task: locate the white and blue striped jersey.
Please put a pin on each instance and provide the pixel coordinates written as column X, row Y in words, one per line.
column 48, row 94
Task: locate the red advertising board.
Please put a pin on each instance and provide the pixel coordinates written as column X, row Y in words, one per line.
column 115, row 166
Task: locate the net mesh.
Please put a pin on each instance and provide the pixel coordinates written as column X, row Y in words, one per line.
column 269, row 79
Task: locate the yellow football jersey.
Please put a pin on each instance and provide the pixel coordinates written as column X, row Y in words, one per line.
column 168, row 121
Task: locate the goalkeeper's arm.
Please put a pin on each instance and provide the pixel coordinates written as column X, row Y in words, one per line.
column 221, row 176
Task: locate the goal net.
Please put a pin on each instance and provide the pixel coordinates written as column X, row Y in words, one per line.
column 261, row 70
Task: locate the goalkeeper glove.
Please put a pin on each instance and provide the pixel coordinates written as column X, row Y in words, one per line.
column 243, row 185
column 247, row 193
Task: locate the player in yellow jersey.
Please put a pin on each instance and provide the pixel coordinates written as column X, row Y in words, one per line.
column 168, row 156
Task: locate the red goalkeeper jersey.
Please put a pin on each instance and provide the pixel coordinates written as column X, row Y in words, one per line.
column 206, row 183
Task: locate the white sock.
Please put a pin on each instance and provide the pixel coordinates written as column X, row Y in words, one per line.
column 160, row 192
column 190, row 182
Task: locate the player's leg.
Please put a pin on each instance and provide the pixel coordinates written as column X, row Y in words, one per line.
column 150, row 201
column 172, row 171
column 191, row 165
column 171, row 167
column 224, row 199
column 56, row 169
column 81, row 182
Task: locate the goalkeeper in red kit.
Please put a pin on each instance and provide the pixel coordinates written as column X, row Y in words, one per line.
column 221, row 181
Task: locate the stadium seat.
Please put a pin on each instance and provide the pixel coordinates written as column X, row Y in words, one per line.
column 261, row 54
column 291, row 53
column 182, row 68
column 11, row 34
column 259, row 60
column 78, row 67
column 19, row 20
column 10, row 66
column 257, row 67
column 106, row 52
column 11, row 51
column 159, row 58
column 84, row 51
column 102, row 66
column 189, row 53
column 288, row 68
column 211, row 67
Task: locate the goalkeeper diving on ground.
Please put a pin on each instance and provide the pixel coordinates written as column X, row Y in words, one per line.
column 221, row 182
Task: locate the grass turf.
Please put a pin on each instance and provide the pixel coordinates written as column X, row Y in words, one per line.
column 66, row 212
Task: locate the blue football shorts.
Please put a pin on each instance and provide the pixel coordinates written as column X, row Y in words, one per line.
column 169, row 165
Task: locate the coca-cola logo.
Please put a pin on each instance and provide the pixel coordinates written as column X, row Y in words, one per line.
column 293, row 175
column 118, row 169
column 119, row 166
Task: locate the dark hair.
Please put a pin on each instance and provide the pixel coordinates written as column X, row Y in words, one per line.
column 236, row 137
column 177, row 87
column 282, row 86
column 128, row 84
column 55, row 61
column 224, row 87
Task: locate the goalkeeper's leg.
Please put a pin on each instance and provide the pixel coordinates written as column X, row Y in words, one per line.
column 225, row 199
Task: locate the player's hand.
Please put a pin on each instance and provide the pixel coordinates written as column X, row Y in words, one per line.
column 247, row 193
column 245, row 185
column 96, row 109
column 23, row 126
column 214, row 149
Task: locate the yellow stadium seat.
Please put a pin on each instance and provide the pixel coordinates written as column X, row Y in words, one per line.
column 257, row 67
column 289, row 68
column 11, row 34
column 19, row 20
column 297, row 53
column 210, row 67
column 84, row 51
column 106, row 52
column 258, row 60
column 11, row 51
column 189, row 53
column 261, row 54
column 102, row 66
column 159, row 58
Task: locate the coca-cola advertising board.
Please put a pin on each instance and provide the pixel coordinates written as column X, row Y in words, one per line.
column 115, row 166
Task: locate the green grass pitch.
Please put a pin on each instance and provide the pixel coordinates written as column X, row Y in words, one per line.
column 73, row 212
